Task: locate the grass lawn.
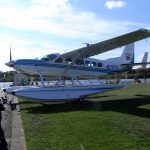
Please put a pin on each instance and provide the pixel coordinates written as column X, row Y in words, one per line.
column 116, row 120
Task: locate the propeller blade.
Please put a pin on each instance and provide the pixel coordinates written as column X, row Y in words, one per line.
column 10, row 54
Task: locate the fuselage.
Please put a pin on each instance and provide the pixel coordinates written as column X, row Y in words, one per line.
column 82, row 68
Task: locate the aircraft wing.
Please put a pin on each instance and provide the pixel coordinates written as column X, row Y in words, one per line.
column 107, row 45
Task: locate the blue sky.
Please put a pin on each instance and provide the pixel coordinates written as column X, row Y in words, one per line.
column 38, row 27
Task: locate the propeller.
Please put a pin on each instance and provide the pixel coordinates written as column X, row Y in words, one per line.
column 10, row 54
column 11, row 62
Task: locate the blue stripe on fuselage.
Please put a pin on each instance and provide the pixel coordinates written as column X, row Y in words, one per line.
column 41, row 63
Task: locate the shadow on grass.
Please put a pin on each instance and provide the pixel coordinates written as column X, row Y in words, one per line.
column 56, row 107
column 99, row 96
column 127, row 106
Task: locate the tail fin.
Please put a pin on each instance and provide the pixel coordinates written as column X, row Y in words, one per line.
column 127, row 56
column 144, row 60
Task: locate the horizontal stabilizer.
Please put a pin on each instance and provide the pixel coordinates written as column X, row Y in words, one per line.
column 137, row 64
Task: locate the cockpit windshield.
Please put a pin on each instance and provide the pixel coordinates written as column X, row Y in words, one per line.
column 49, row 57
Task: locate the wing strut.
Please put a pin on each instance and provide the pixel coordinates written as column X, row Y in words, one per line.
column 72, row 63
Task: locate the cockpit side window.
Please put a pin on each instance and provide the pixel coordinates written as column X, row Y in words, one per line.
column 79, row 62
column 87, row 63
column 59, row 60
column 68, row 60
column 44, row 58
column 49, row 57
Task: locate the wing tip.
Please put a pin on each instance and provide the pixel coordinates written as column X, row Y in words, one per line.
column 145, row 30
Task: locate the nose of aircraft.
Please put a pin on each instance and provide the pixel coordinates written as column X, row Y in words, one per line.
column 10, row 64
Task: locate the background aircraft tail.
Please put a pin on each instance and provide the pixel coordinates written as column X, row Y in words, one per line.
column 144, row 60
column 127, row 56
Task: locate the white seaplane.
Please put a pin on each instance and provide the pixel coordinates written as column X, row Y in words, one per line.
column 76, row 64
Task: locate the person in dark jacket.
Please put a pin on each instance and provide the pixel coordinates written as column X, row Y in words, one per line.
column 3, row 143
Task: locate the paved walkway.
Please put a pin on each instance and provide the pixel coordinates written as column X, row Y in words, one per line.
column 12, row 127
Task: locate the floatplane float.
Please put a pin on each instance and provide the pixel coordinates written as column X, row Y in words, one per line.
column 76, row 64
column 60, row 93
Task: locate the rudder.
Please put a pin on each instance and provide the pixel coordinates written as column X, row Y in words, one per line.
column 127, row 56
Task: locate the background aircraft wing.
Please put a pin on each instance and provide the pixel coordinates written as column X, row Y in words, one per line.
column 137, row 64
column 107, row 45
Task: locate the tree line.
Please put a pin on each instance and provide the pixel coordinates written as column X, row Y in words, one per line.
column 132, row 74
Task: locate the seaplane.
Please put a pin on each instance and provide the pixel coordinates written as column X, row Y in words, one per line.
column 77, row 64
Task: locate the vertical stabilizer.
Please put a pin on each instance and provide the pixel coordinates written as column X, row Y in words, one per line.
column 144, row 60
column 127, row 56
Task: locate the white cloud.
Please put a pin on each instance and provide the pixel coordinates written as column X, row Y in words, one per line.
column 110, row 4
column 56, row 18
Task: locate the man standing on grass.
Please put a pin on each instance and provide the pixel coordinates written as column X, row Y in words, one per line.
column 3, row 143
